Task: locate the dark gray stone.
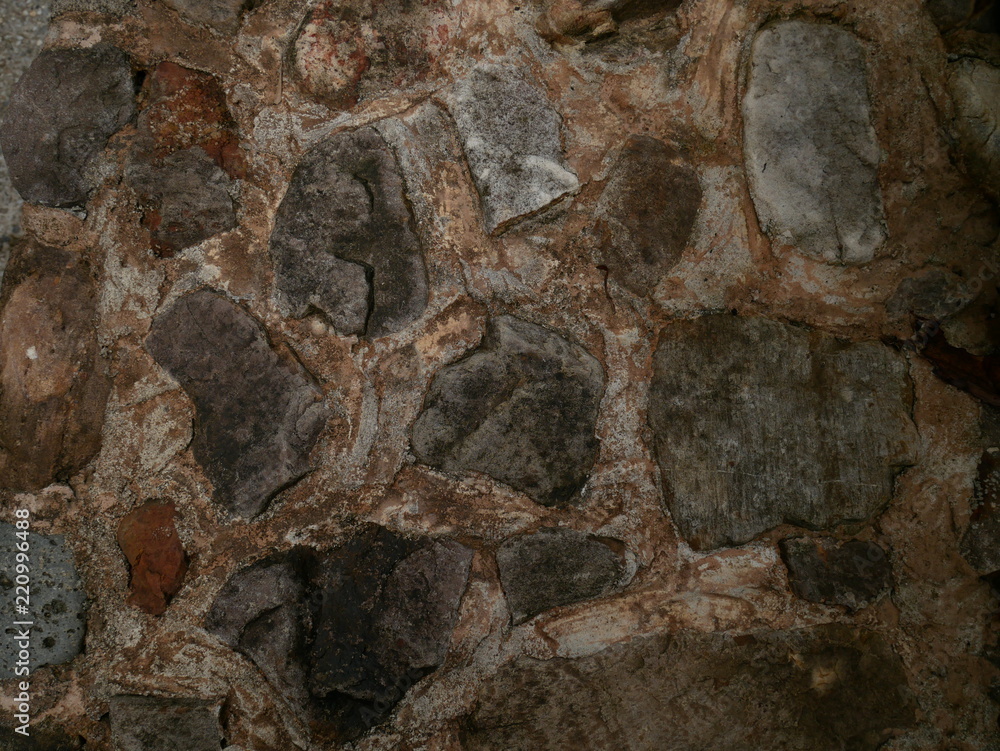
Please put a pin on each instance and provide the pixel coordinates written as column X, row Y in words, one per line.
column 853, row 574
column 757, row 423
column 61, row 114
column 826, row 687
column 221, row 15
column 933, row 295
column 975, row 89
column 809, row 142
column 258, row 412
column 981, row 541
column 511, row 137
column 57, row 600
column 149, row 723
column 41, row 738
column 557, row 567
column 522, row 408
column 344, row 242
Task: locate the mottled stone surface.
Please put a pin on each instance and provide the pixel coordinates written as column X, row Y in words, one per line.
column 933, row 295
column 981, row 541
column 115, row 8
column 148, row 538
column 51, row 146
column 809, row 143
column 827, row 687
column 221, row 15
column 556, row 567
column 566, row 21
column 521, row 408
column 149, row 723
column 344, row 242
column 54, row 383
column 40, row 739
column 646, row 213
column 758, row 423
column 57, row 600
column 512, row 138
column 258, row 412
column 975, row 90
column 854, row 574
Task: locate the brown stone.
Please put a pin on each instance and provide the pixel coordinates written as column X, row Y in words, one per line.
column 148, row 538
column 853, row 574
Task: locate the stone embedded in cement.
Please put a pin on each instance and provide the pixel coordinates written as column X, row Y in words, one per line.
column 854, row 573
column 511, row 137
column 829, row 687
column 646, row 213
column 221, row 15
column 758, row 422
column 57, row 600
column 116, row 8
column 975, row 89
column 54, row 384
column 42, row 737
column 344, row 242
column 932, row 295
column 556, row 567
column 148, row 538
column 522, row 408
column 258, row 412
column 60, row 116
column 150, row 723
column 981, row 541
column 809, row 143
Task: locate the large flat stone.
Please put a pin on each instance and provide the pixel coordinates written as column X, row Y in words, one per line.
column 758, row 422
column 150, row 723
column 522, row 408
column 809, row 143
column 975, row 90
column 258, row 412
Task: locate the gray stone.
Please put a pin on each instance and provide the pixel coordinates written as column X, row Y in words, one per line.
column 221, row 15
column 758, row 423
column 853, row 574
column 809, row 143
column 827, row 687
column 344, row 242
column 258, row 411
column 149, row 723
column 646, row 213
column 115, row 8
column 556, row 567
column 511, row 137
column 61, row 114
column 42, row 738
column 933, row 295
column 521, row 408
column 981, row 541
column 57, row 600
column 975, row 89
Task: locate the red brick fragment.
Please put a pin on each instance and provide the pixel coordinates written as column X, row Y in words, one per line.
column 149, row 539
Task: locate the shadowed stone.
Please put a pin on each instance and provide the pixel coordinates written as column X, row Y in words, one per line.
column 853, row 574
column 809, row 143
column 826, row 687
column 41, row 738
column 221, row 15
column 557, row 567
column 511, row 137
column 343, row 241
column 61, row 114
column 758, row 423
column 981, row 542
column 646, row 213
column 258, row 412
column 975, row 88
column 521, row 408
column 148, row 723
column 148, row 538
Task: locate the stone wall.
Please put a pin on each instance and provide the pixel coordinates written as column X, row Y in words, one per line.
column 572, row 374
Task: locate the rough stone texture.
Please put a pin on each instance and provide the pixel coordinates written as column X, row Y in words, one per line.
column 556, row 567
column 512, row 138
column 521, row 408
column 811, row 151
column 53, row 381
column 60, row 116
column 975, row 89
column 854, row 574
column 828, row 687
column 934, row 295
column 759, row 423
column 647, row 212
column 148, row 538
column 344, row 242
column 40, row 739
column 258, row 412
column 57, row 601
column 565, row 21
column 221, row 15
column 981, row 542
column 978, row 375
column 115, row 8
column 149, row 723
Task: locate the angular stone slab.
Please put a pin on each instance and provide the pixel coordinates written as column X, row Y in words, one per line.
column 258, row 413
column 809, row 143
column 521, row 408
column 149, row 723
column 646, row 213
column 54, row 384
column 556, row 567
column 758, row 422
column 975, row 89
column 57, row 600
column 827, row 687
column 61, row 114
column 853, row 574
column 344, row 242
column 148, row 538
column 511, row 137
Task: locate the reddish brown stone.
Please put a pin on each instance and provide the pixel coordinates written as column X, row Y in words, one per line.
column 148, row 537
